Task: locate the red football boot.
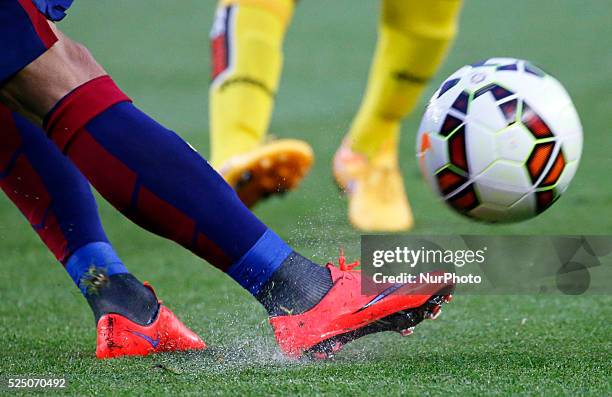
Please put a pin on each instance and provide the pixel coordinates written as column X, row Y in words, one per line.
column 344, row 314
column 118, row 336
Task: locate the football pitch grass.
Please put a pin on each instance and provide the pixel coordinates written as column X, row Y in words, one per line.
column 158, row 51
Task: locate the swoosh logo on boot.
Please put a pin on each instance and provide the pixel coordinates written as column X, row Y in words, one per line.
column 381, row 296
column 152, row 342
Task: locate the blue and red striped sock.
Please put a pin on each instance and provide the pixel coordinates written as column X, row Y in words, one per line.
column 46, row 187
column 52, row 194
column 161, row 183
column 57, row 201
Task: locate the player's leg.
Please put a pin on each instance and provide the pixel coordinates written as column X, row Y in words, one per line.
column 58, row 203
column 247, row 58
column 156, row 179
column 413, row 38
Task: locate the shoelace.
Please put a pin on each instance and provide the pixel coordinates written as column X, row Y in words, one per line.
column 345, row 267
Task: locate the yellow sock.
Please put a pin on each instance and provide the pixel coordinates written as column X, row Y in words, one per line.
column 246, row 41
column 414, row 36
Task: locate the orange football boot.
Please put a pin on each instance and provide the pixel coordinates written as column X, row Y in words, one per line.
column 374, row 188
column 273, row 168
column 118, row 336
column 345, row 314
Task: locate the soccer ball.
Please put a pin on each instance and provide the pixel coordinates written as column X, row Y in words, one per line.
column 500, row 140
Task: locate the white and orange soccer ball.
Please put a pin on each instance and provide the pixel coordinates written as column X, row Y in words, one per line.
column 500, row 140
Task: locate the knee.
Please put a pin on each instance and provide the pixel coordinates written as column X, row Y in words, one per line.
column 40, row 85
column 79, row 59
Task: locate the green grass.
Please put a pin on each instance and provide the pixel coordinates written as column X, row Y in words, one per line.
column 546, row 345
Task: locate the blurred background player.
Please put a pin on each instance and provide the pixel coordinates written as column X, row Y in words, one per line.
column 160, row 182
column 246, row 40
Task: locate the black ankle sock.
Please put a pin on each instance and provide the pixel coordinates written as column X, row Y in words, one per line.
column 125, row 295
column 296, row 286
